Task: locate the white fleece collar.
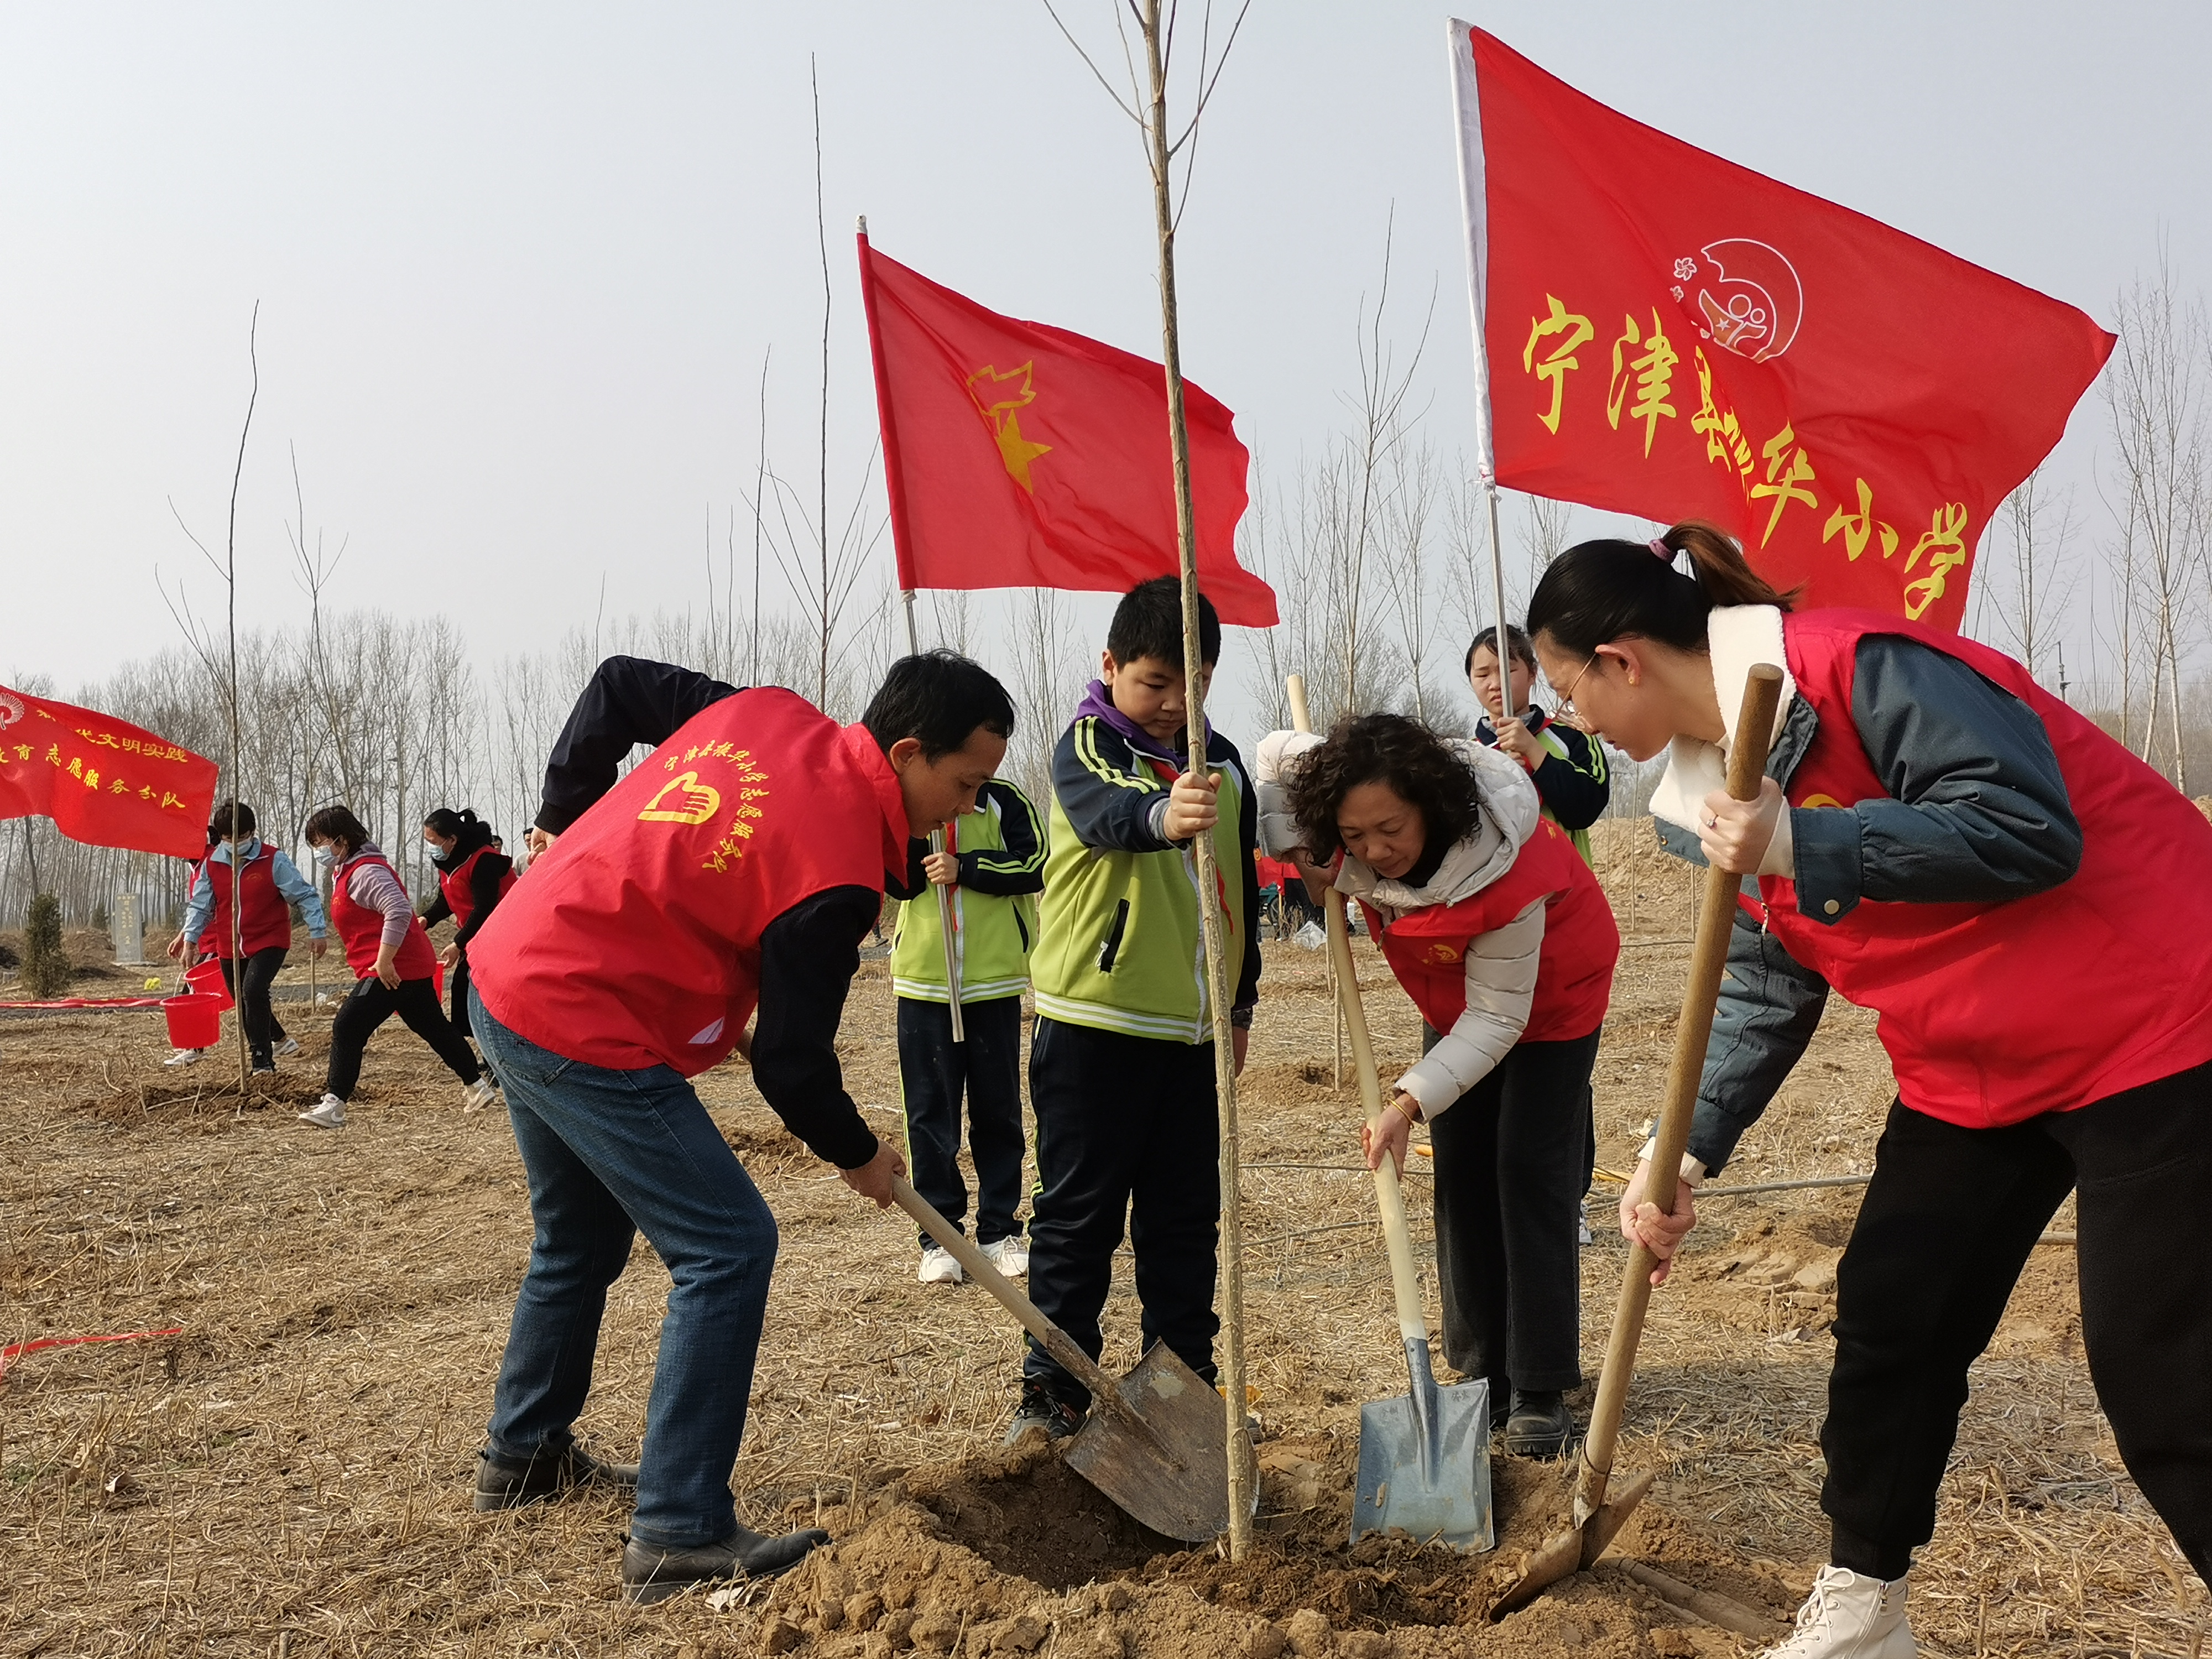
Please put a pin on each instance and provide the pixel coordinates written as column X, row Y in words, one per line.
column 1738, row 637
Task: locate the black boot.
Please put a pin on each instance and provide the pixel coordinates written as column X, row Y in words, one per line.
column 505, row 1484
column 1041, row 1408
column 651, row 1573
column 1540, row 1425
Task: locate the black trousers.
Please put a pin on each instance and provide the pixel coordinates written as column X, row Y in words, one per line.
column 933, row 1071
column 250, row 990
column 1511, row 1155
column 1429, row 1039
column 457, row 988
column 368, row 1005
column 1945, row 1228
column 1126, row 1128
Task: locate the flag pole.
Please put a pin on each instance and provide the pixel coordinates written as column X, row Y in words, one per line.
column 948, row 919
column 1474, row 209
column 1216, row 976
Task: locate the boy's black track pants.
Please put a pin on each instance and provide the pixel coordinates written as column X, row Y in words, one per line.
column 1126, row 1128
column 933, row 1071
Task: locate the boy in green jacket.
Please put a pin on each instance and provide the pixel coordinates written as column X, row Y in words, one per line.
column 992, row 861
column 1121, row 1060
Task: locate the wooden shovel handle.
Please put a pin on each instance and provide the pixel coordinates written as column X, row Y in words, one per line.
column 973, row 1262
column 1397, row 1237
column 1754, row 730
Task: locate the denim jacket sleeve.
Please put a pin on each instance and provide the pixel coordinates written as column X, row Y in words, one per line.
column 1769, row 1005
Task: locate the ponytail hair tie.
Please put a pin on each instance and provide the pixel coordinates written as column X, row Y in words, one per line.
column 1658, row 545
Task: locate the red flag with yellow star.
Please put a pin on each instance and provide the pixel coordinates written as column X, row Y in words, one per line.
column 102, row 782
column 1020, row 455
column 1671, row 335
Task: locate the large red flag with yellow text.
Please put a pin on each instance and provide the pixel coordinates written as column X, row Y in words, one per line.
column 1671, row 335
column 102, row 782
column 1020, row 455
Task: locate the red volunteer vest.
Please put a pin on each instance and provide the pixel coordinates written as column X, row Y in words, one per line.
column 361, row 929
column 1995, row 1012
column 1427, row 949
column 636, row 941
column 265, row 923
column 454, row 885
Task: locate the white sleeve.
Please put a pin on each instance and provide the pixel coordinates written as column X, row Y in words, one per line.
column 1501, row 984
column 1275, row 759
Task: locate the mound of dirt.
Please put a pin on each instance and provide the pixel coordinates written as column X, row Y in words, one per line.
column 1013, row 1553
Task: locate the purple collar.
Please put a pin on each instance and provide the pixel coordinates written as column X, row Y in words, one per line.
column 1098, row 701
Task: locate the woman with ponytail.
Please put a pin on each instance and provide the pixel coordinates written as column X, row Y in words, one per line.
column 2028, row 907
column 473, row 876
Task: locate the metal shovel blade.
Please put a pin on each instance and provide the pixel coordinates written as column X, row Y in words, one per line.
column 1169, row 1469
column 1424, row 1461
column 1574, row 1550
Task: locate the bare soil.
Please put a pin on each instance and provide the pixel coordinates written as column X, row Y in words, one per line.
column 290, row 1474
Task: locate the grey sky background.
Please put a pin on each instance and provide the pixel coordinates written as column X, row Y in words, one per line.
column 518, row 265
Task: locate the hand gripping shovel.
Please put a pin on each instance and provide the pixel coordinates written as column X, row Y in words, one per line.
column 1424, row 1459
column 1596, row 1520
column 1155, row 1442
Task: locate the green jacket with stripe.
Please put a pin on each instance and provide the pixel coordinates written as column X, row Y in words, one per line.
column 1119, row 947
column 1001, row 849
column 1572, row 781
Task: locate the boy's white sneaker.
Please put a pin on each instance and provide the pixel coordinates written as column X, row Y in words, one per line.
column 183, row 1056
column 480, row 1094
column 1010, row 1256
column 328, row 1113
column 939, row 1267
column 1849, row 1616
column 289, row 1046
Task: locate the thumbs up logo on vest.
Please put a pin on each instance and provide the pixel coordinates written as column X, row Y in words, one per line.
column 683, row 800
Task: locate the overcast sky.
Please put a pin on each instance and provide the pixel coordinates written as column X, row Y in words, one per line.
column 518, row 265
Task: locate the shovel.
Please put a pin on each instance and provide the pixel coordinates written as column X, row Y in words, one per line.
column 1155, row 1443
column 1596, row 1520
column 1424, row 1459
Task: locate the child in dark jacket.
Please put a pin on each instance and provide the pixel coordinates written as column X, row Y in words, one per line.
column 1121, row 1063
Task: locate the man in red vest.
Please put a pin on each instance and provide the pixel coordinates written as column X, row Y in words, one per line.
column 729, row 876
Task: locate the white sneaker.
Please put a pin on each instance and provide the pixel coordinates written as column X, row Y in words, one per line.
column 289, row 1046
column 480, row 1094
column 1849, row 1616
column 1010, row 1256
column 183, row 1056
column 328, row 1113
column 939, row 1267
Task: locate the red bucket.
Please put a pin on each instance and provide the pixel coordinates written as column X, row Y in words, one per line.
column 207, row 980
column 194, row 1022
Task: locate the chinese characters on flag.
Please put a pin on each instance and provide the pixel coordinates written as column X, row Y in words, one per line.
column 102, row 781
column 1020, row 455
column 1673, row 335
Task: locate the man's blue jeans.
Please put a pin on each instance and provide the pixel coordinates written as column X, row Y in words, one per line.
column 608, row 1154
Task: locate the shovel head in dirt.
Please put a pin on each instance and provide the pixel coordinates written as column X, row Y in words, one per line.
column 1424, row 1460
column 1163, row 1455
column 1156, row 1442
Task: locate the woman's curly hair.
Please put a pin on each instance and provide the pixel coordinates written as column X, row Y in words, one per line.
column 1395, row 750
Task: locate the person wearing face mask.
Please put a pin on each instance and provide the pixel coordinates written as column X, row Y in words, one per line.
column 392, row 962
column 240, row 869
column 473, row 876
column 729, row 878
column 1500, row 934
column 2027, row 907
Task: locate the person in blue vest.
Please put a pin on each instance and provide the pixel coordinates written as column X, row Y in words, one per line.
column 992, row 868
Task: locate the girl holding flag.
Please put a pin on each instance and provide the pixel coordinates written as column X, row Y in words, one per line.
column 2028, row 907
column 392, row 962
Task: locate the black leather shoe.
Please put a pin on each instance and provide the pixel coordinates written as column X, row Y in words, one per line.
column 501, row 1485
column 651, row 1573
column 1541, row 1425
column 1041, row 1408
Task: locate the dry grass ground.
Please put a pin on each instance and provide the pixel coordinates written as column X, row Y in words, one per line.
column 290, row 1475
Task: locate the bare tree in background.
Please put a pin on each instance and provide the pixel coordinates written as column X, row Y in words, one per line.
column 2024, row 591
column 1409, row 515
column 2154, row 392
column 1046, row 678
